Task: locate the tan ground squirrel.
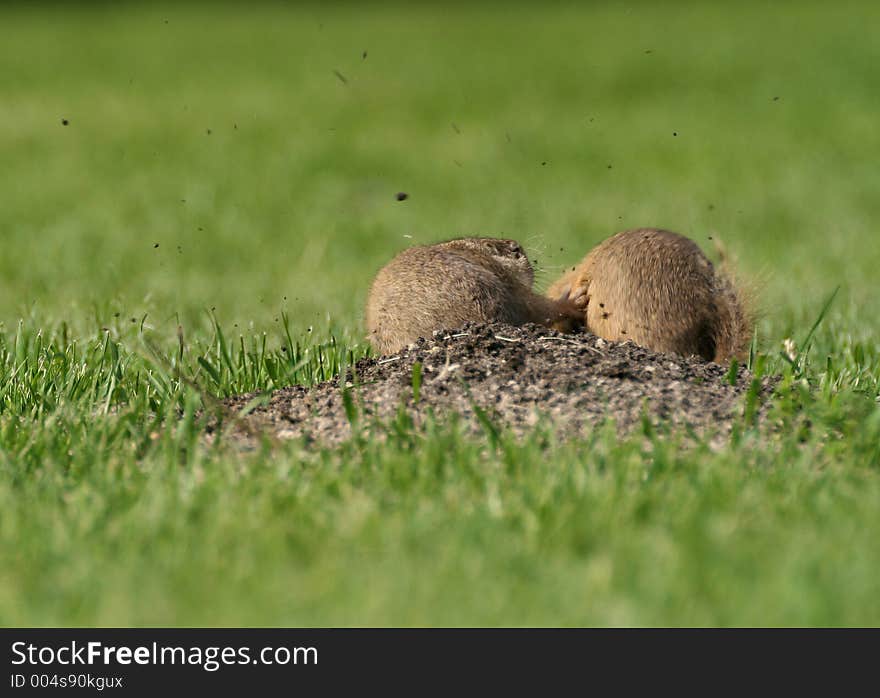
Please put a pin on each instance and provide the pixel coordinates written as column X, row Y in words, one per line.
column 658, row 289
column 450, row 283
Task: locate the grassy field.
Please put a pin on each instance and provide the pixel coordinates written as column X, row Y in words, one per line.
column 195, row 198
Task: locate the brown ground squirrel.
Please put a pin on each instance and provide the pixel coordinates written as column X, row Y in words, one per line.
column 450, row 283
column 658, row 289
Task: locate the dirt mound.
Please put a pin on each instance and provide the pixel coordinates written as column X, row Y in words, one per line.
column 513, row 376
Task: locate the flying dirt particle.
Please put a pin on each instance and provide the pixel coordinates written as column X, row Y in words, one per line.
column 711, row 207
column 710, row 237
column 456, row 129
column 649, row 50
column 179, row 250
column 544, row 164
column 115, row 314
column 507, row 136
column 341, row 77
column 201, row 229
column 457, row 163
column 609, row 167
column 208, row 131
column 364, row 56
column 776, row 99
column 572, row 268
column 235, row 127
column 401, row 196
column 675, row 133
column 64, row 122
column 155, row 245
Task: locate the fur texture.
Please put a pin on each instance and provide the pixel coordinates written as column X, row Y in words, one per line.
column 450, row 283
column 659, row 290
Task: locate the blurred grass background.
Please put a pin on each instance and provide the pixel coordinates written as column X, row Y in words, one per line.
column 222, row 134
column 245, row 158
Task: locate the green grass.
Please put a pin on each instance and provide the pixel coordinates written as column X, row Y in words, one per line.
column 556, row 125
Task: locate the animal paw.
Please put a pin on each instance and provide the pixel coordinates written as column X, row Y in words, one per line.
column 579, row 295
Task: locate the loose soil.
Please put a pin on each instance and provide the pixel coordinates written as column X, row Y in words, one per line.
column 515, row 377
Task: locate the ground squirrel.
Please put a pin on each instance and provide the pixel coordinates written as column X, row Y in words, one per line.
column 658, row 289
column 450, row 283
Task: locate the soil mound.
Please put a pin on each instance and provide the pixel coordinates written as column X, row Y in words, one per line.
column 513, row 376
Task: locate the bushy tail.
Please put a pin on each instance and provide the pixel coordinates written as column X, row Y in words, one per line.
column 736, row 312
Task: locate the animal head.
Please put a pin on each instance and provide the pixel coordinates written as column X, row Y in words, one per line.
column 508, row 253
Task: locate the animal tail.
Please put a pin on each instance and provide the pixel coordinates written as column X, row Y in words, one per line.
column 736, row 312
